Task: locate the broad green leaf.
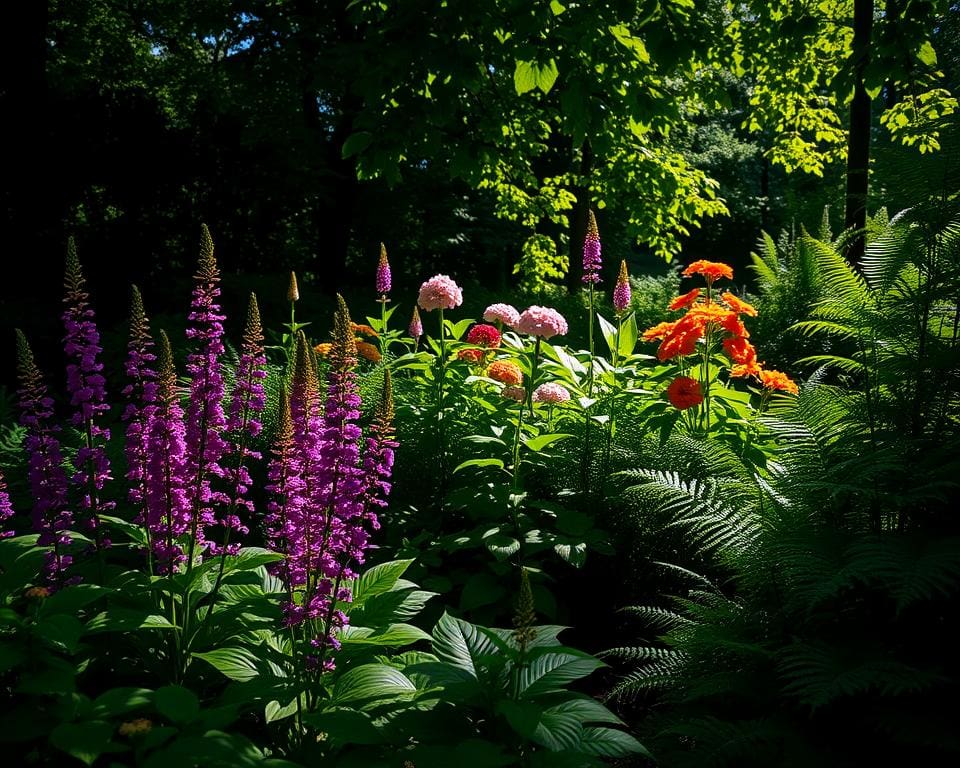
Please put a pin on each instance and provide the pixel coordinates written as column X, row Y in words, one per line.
column 524, row 77
column 461, row 643
column 551, row 669
column 356, row 143
column 72, row 599
column 61, row 630
column 575, row 554
column 119, row 701
column 176, row 703
column 540, row 442
column 609, row 742
column 498, row 463
column 85, row 741
column 927, row 55
column 126, row 620
column 392, row 636
column 345, row 726
column 523, row 716
column 236, row 663
column 371, row 681
column 379, row 579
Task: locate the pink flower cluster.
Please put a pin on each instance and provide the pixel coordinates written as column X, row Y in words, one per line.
column 551, row 392
column 541, row 321
column 501, row 313
column 440, row 292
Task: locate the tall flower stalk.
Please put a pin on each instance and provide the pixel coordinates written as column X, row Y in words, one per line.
column 293, row 296
column 52, row 517
column 168, row 511
column 6, row 510
column 592, row 263
column 621, row 307
column 86, row 387
column 206, row 421
column 141, row 404
column 384, row 284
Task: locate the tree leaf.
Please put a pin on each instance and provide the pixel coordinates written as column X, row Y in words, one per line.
column 176, row 703
column 498, row 463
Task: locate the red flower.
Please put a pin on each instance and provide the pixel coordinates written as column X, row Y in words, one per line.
column 684, row 393
column 682, row 302
column 711, row 270
column 484, row 336
column 731, row 323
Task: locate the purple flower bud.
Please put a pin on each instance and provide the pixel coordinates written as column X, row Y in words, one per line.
column 591, row 251
column 384, row 278
column 621, row 291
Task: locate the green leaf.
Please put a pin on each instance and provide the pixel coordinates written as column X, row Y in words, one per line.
column 119, row 701
column 60, row 630
column 176, row 703
column 392, row 636
column 356, row 143
column 927, row 55
column 547, row 75
column 524, row 77
column 72, row 599
column 126, row 620
column 84, row 741
column 498, row 463
column 609, row 742
column 523, row 716
column 372, row 681
column 556, row 7
column 462, row 644
column 236, row 663
column 538, row 443
column 575, row 554
column 345, row 726
column 379, row 579
column 551, row 669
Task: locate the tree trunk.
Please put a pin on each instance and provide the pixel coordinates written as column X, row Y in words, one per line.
column 858, row 144
column 578, row 218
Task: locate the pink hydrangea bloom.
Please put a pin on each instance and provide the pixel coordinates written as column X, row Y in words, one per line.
column 501, row 313
column 551, row 392
column 514, row 393
column 440, row 292
column 541, row 321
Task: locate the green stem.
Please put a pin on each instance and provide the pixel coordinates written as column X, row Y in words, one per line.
column 441, row 377
column 383, row 326
column 534, row 372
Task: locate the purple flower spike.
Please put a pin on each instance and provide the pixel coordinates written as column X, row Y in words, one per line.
column 621, row 292
column 52, row 517
column 6, row 510
column 141, row 397
column 416, row 326
column 246, row 403
column 591, row 252
column 85, row 385
column 168, row 512
column 384, row 278
column 205, row 444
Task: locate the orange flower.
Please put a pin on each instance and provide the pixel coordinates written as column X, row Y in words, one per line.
column 737, row 305
column 684, row 393
column 505, row 372
column 711, row 270
column 740, row 350
column 367, row 350
column 731, row 323
column 323, row 349
column 778, row 382
column 366, row 330
column 658, row 331
column 677, row 345
column 682, row 302
column 751, row 368
column 471, row 355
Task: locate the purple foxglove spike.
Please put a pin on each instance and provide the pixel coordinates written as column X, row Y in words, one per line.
column 621, row 291
column 205, row 420
column 384, row 277
column 52, row 517
column 591, row 251
column 88, row 397
column 6, row 510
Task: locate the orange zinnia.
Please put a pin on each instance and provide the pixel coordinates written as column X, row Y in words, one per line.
column 684, row 393
column 732, row 323
column 751, row 368
column 740, row 350
column 471, row 355
column 777, row 381
column 738, row 305
column 505, row 372
column 367, row 350
column 711, row 270
column 682, row 302
column 658, row 331
column 366, row 330
column 323, row 349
